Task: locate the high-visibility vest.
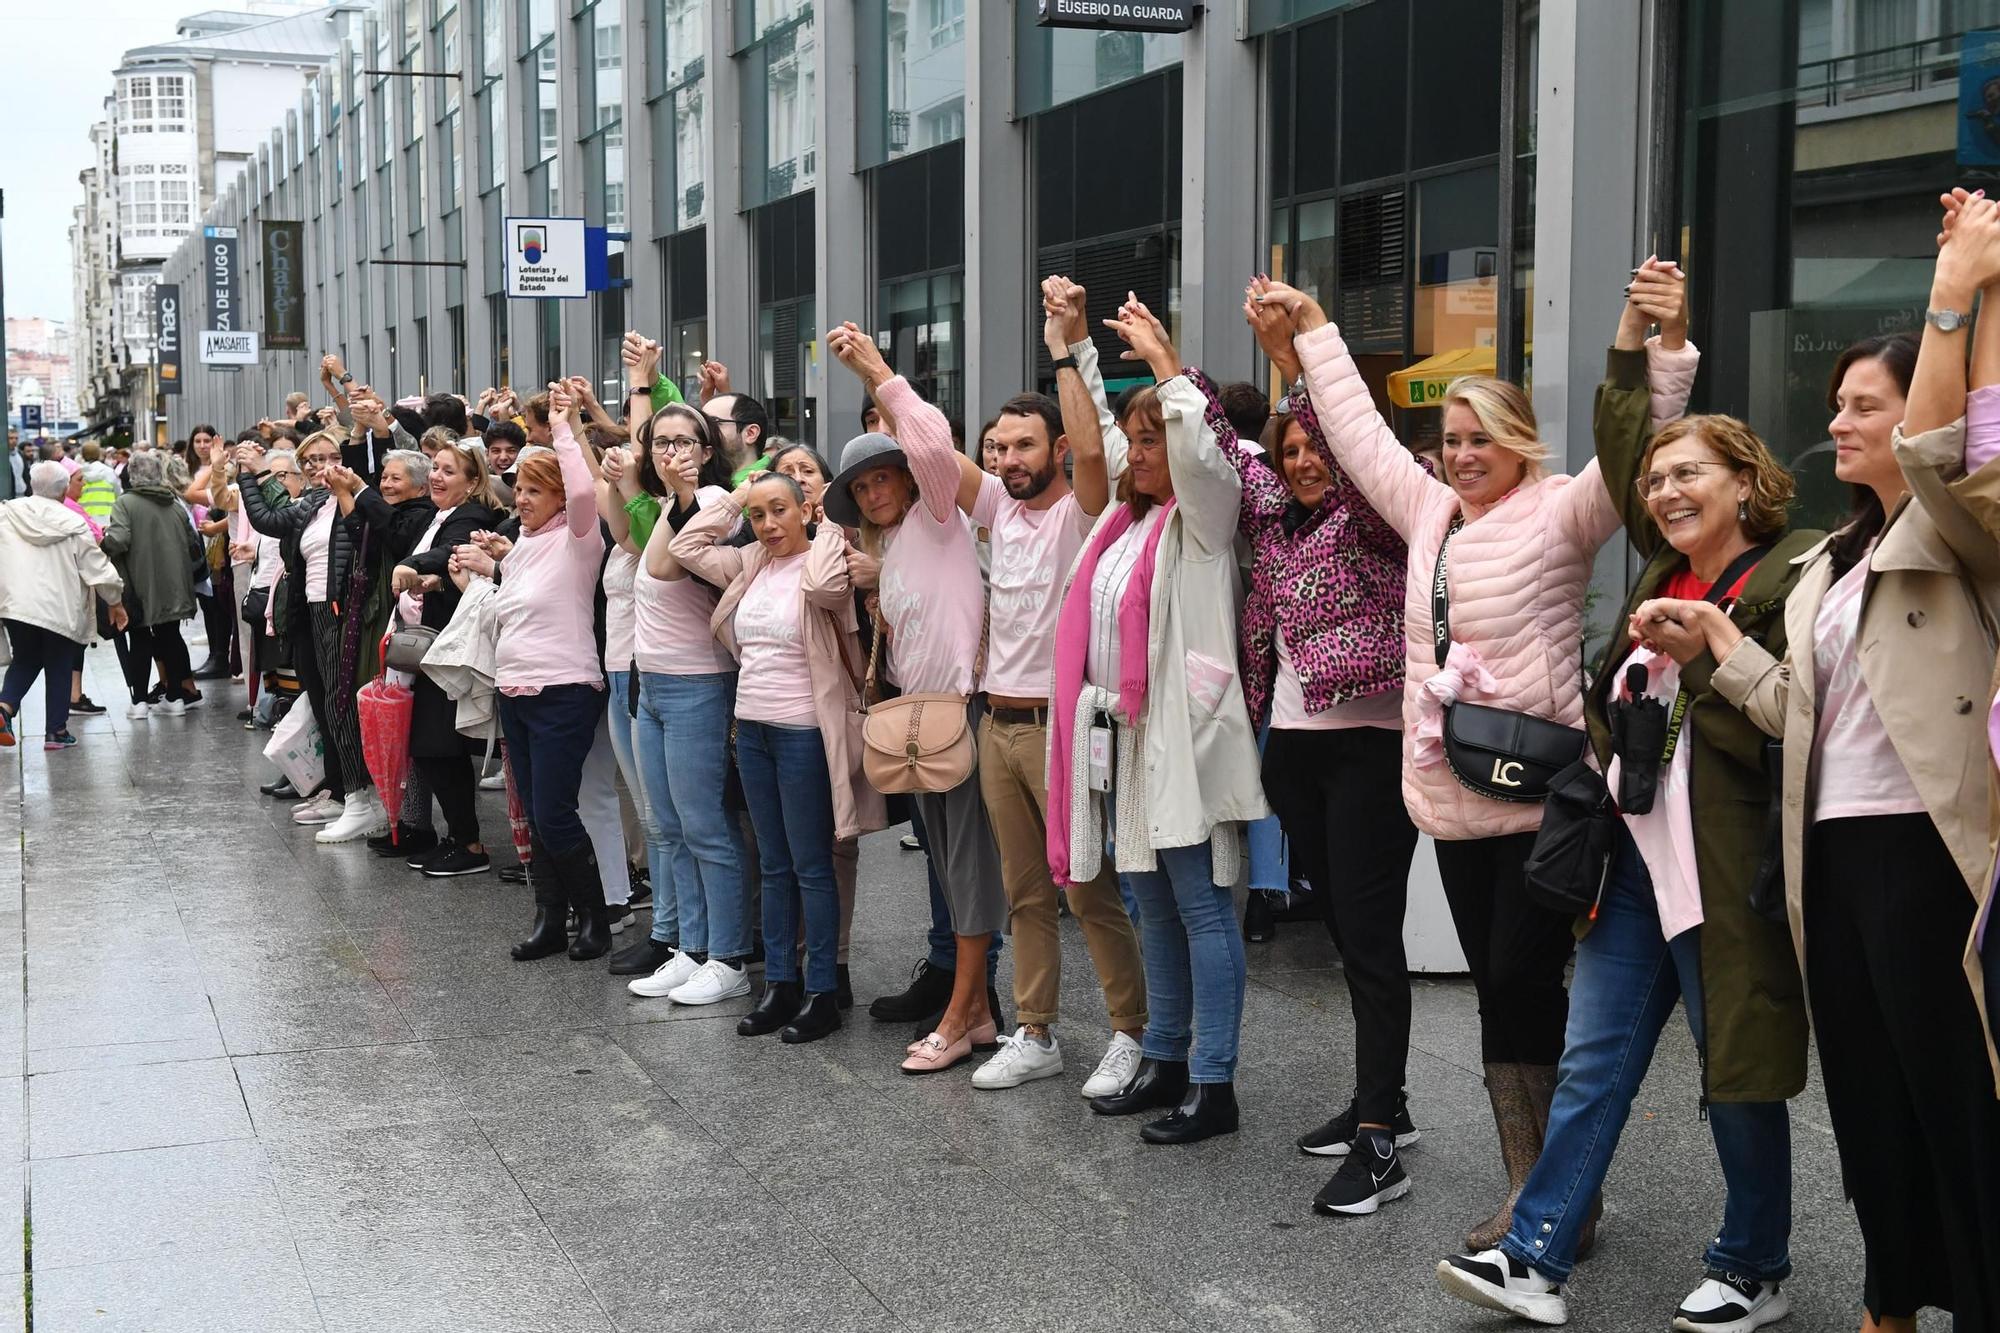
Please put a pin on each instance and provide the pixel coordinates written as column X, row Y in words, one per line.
column 97, row 498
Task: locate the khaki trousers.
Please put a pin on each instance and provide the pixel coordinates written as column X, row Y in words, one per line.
column 1013, row 777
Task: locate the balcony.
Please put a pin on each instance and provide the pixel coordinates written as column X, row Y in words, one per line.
column 780, row 179
column 1870, row 81
column 692, row 200
column 899, row 131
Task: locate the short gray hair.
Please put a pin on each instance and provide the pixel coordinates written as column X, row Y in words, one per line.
column 416, row 464
column 289, row 455
column 177, row 473
column 49, row 479
column 144, row 468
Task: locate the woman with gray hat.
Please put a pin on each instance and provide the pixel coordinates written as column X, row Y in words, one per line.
column 903, row 495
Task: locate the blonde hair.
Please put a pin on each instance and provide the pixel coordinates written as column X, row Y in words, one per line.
column 472, row 465
column 1504, row 414
column 1771, row 485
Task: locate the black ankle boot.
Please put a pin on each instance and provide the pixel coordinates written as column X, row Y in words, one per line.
column 1207, row 1110
column 778, row 1006
column 594, row 939
column 1158, row 1083
column 1259, row 923
column 928, row 993
column 548, row 937
column 843, row 988
column 818, row 1017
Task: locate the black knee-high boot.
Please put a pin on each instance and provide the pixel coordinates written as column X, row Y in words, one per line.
column 551, row 908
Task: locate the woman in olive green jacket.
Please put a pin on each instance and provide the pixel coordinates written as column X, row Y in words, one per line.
column 152, row 540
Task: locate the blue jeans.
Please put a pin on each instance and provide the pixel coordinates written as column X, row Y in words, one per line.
column 622, row 725
column 548, row 737
column 1270, row 867
column 942, row 944
column 791, row 810
column 1194, row 963
column 701, row 900
column 1627, row 979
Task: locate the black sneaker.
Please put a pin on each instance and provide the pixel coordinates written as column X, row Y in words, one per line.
column 413, row 843
column 451, row 859
column 642, row 888
column 928, row 993
column 1335, row 1137
column 1496, row 1281
column 1368, row 1178
column 421, row 858
column 86, row 706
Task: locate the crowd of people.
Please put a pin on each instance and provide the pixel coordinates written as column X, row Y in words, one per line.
column 1145, row 652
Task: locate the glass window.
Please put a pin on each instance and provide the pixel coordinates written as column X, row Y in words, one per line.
column 680, row 154
column 1057, row 65
column 492, row 38
column 1805, row 196
column 780, row 126
column 538, row 83
column 913, row 76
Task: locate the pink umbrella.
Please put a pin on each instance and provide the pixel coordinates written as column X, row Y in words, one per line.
column 384, row 712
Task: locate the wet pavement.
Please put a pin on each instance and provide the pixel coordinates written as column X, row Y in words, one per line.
column 255, row 1084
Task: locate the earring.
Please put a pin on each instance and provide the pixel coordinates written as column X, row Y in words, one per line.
column 1742, row 511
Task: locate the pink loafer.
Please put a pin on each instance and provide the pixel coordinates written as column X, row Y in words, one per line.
column 985, row 1037
column 933, row 1056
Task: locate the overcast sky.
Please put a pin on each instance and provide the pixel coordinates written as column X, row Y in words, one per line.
column 59, row 61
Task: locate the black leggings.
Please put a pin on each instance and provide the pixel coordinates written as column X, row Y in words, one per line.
column 453, row 784
column 1339, row 798
column 140, row 644
column 1908, row 1086
column 1516, row 948
column 305, row 661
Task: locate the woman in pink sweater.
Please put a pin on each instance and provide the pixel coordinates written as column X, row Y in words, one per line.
column 1508, row 545
column 551, row 681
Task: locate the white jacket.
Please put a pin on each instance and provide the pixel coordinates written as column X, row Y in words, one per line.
column 460, row 661
column 50, row 566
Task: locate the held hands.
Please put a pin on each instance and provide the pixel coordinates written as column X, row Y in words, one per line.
column 1145, row 338
column 1063, row 322
column 492, row 544
column 1301, row 310
column 614, row 463
column 1272, row 326
column 714, row 381
column 249, row 457
column 641, row 356
column 857, row 351
column 404, row 579
column 471, row 560
column 862, row 568
column 1657, row 294
column 343, row 481
column 330, row 367
column 564, row 402
column 116, row 614
column 1674, row 626
column 1970, row 258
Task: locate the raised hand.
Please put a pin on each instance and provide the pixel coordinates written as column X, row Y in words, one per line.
column 864, row 569
column 562, row 399
column 1657, row 294
column 857, row 351
column 1063, row 320
column 1272, row 326
column 1301, row 310
column 1970, row 259
column 1144, row 337
column 714, row 381
column 343, row 480
column 682, row 473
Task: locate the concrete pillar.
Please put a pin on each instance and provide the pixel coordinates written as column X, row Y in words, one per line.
column 840, row 229
column 732, row 253
column 998, row 277
column 1222, row 149
column 645, row 304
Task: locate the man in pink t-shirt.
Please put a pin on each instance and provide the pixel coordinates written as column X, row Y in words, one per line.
column 1037, row 521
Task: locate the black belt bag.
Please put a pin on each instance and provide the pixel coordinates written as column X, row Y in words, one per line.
column 1498, row 752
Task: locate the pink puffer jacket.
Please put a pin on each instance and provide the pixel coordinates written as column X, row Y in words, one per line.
column 1518, row 568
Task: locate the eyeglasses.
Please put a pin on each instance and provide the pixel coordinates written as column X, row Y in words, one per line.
column 675, row 444
column 284, row 472
column 1683, row 475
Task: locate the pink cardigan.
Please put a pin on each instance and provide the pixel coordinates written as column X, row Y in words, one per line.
column 1518, row 572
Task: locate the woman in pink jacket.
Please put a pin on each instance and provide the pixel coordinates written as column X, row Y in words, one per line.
column 1506, row 546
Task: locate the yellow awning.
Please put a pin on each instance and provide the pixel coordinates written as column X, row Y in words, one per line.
column 1423, row 384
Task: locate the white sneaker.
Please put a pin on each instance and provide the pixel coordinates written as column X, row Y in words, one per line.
column 1114, row 1072
column 1022, row 1059
column 361, row 817
column 1495, row 1281
column 320, row 809
column 171, row 707
column 138, row 712
column 493, row 782
column 666, row 978
column 712, row 982
column 1731, row 1303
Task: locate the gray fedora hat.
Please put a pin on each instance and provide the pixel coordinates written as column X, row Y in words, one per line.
column 862, row 452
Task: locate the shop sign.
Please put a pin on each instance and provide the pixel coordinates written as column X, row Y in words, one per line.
column 1121, row 15
column 546, row 257
column 284, row 284
column 228, row 347
column 167, row 336
column 220, row 263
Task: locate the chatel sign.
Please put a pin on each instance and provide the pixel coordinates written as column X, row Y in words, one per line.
column 1117, row 15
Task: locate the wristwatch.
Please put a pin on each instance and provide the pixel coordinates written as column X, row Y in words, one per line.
column 1063, row 363
column 1947, row 320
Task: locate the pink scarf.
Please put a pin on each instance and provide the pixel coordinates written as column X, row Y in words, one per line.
column 1135, row 611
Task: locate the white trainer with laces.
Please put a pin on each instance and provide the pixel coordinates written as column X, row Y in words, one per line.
column 360, row 817
column 1496, row 1281
column 713, row 982
column 171, row 707
column 668, row 977
column 1022, row 1059
column 1114, row 1072
column 320, row 809
column 1731, row 1303
column 138, row 712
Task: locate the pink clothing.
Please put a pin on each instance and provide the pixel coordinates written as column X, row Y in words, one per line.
column 1288, row 702
column 548, row 583
column 1664, row 835
column 1518, row 572
column 96, row 531
column 671, row 618
column 409, row 605
column 1108, row 583
column 1867, row 777
column 1032, row 550
column 933, row 598
column 776, row 680
column 316, row 547
column 620, row 609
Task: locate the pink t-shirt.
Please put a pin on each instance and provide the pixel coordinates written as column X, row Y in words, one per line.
column 672, row 618
column 776, row 680
column 620, row 609
column 316, row 546
column 545, row 608
column 932, row 596
column 1855, row 769
column 1032, row 550
column 1288, row 703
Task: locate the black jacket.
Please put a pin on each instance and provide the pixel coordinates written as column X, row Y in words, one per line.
column 468, row 518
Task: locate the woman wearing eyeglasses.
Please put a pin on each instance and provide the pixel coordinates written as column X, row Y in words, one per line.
column 318, row 554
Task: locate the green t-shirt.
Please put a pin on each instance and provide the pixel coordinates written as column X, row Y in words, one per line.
column 643, row 511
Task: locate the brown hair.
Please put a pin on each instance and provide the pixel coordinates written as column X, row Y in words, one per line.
column 1138, row 408
column 1771, row 485
column 472, row 464
column 536, row 409
column 1866, row 518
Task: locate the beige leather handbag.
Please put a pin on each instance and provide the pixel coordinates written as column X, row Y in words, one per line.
column 916, row 742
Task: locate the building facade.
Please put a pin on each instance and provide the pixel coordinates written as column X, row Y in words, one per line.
column 1463, row 183
column 183, row 117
